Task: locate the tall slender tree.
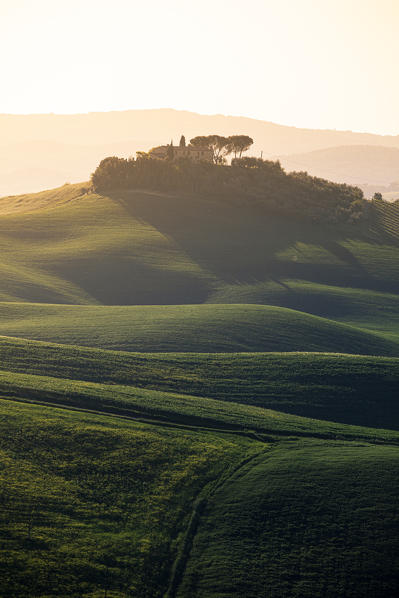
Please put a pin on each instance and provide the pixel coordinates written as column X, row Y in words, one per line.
column 170, row 153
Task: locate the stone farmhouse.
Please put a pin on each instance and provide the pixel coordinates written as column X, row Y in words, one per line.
column 175, row 152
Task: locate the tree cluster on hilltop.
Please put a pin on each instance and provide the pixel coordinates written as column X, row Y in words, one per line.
column 223, row 146
column 247, row 179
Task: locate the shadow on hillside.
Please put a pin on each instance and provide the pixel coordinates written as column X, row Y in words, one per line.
column 120, row 280
column 241, row 245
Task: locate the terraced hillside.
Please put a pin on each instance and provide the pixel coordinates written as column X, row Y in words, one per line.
column 198, row 398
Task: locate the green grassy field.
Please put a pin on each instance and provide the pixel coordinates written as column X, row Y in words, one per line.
column 152, row 248
column 93, row 505
column 196, row 328
column 350, row 389
column 305, row 519
column 363, row 308
column 209, row 499
column 198, row 398
column 175, row 408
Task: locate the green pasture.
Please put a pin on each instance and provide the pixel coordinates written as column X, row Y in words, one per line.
column 302, row 521
column 189, row 328
column 198, row 398
column 171, row 408
column 91, row 505
column 153, row 248
column 363, row 308
column 350, row 389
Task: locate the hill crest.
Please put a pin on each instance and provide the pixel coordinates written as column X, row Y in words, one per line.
column 44, row 150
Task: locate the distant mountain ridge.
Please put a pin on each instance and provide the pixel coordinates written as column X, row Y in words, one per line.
column 39, row 151
column 362, row 165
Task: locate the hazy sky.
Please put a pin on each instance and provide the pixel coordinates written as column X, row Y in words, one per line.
column 308, row 63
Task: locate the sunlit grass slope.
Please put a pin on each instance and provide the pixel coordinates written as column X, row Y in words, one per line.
column 359, row 390
column 91, row 250
column 50, row 199
column 152, row 248
column 309, row 521
column 196, row 328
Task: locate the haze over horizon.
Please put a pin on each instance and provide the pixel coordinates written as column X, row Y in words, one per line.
column 199, row 113
column 83, row 81
column 308, row 64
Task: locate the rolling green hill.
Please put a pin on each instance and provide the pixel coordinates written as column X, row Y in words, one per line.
column 202, row 502
column 198, row 398
column 91, row 504
column 303, row 515
column 153, row 248
column 341, row 388
column 363, row 308
column 198, row 328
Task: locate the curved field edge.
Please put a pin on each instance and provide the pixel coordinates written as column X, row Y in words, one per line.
column 176, row 409
column 184, row 328
column 109, row 506
column 363, row 308
column 352, row 389
column 309, row 520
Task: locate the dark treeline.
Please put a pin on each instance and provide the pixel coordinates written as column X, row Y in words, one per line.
column 261, row 181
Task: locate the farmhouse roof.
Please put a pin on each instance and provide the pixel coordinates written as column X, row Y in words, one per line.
column 185, row 147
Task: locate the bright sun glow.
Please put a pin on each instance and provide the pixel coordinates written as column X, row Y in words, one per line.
column 310, row 63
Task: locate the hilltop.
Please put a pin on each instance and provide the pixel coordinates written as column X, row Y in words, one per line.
column 40, row 150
